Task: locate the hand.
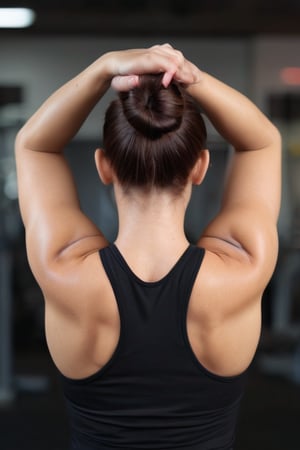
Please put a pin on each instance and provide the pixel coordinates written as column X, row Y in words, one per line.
column 130, row 64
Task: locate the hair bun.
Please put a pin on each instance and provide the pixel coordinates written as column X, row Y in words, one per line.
column 152, row 109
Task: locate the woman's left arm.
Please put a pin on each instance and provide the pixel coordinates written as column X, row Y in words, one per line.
column 56, row 228
column 48, row 198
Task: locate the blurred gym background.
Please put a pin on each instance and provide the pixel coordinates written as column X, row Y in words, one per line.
column 252, row 45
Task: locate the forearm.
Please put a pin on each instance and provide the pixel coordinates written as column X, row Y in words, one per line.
column 60, row 117
column 233, row 115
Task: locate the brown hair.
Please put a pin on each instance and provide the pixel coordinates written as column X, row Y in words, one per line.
column 153, row 135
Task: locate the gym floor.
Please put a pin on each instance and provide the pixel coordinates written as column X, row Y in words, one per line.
column 36, row 420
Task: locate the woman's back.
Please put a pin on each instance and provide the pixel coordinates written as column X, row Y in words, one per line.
column 153, row 392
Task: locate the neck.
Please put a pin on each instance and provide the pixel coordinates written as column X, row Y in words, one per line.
column 152, row 222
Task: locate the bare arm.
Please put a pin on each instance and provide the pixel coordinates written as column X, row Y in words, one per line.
column 246, row 224
column 55, row 226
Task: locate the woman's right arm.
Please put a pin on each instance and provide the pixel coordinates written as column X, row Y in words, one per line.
column 245, row 230
column 246, row 227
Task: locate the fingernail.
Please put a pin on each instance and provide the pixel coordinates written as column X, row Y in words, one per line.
column 134, row 79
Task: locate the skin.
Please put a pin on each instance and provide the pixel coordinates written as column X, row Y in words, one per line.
column 82, row 318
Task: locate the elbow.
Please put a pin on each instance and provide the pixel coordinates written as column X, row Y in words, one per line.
column 23, row 139
column 20, row 140
column 275, row 135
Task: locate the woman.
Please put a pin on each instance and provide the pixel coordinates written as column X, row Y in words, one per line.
column 152, row 335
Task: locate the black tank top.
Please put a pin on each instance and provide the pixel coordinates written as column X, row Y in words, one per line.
column 153, row 394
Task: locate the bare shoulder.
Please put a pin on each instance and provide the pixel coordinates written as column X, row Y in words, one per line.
column 82, row 317
column 224, row 313
column 76, row 274
column 219, row 277
column 241, row 252
column 231, row 278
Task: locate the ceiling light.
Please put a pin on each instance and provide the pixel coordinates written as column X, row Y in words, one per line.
column 16, row 17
